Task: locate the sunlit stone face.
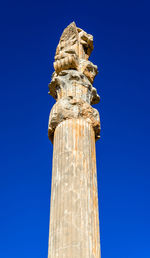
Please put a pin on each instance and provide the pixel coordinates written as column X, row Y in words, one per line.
column 74, row 126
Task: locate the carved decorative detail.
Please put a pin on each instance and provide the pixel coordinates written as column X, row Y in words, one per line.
column 71, row 83
column 88, row 69
column 69, row 108
column 73, row 51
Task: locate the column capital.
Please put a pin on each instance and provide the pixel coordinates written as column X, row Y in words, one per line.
column 70, row 108
column 71, row 84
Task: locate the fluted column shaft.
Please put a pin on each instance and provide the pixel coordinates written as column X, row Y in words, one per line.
column 74, row 220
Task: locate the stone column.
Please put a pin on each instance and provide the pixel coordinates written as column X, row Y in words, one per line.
column 74, row 125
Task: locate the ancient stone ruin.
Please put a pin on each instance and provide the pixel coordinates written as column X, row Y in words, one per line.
column 74, row 125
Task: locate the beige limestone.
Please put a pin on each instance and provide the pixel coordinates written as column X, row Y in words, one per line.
column 73, row 83
column 68, row 108
column 74, row 48
column 74, row 125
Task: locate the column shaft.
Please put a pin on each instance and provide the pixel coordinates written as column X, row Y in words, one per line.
column 74, row 220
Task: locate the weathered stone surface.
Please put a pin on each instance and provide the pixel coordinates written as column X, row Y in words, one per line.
column 73, row 51
column 73, row 83
column 74, row 219
column 66, row 60
column 69, row 108
column 74, row 125
column 88, row 69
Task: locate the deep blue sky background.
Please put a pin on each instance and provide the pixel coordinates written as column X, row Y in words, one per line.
column 30, row 31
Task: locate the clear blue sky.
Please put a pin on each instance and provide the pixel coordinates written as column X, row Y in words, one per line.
column 29, row 34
